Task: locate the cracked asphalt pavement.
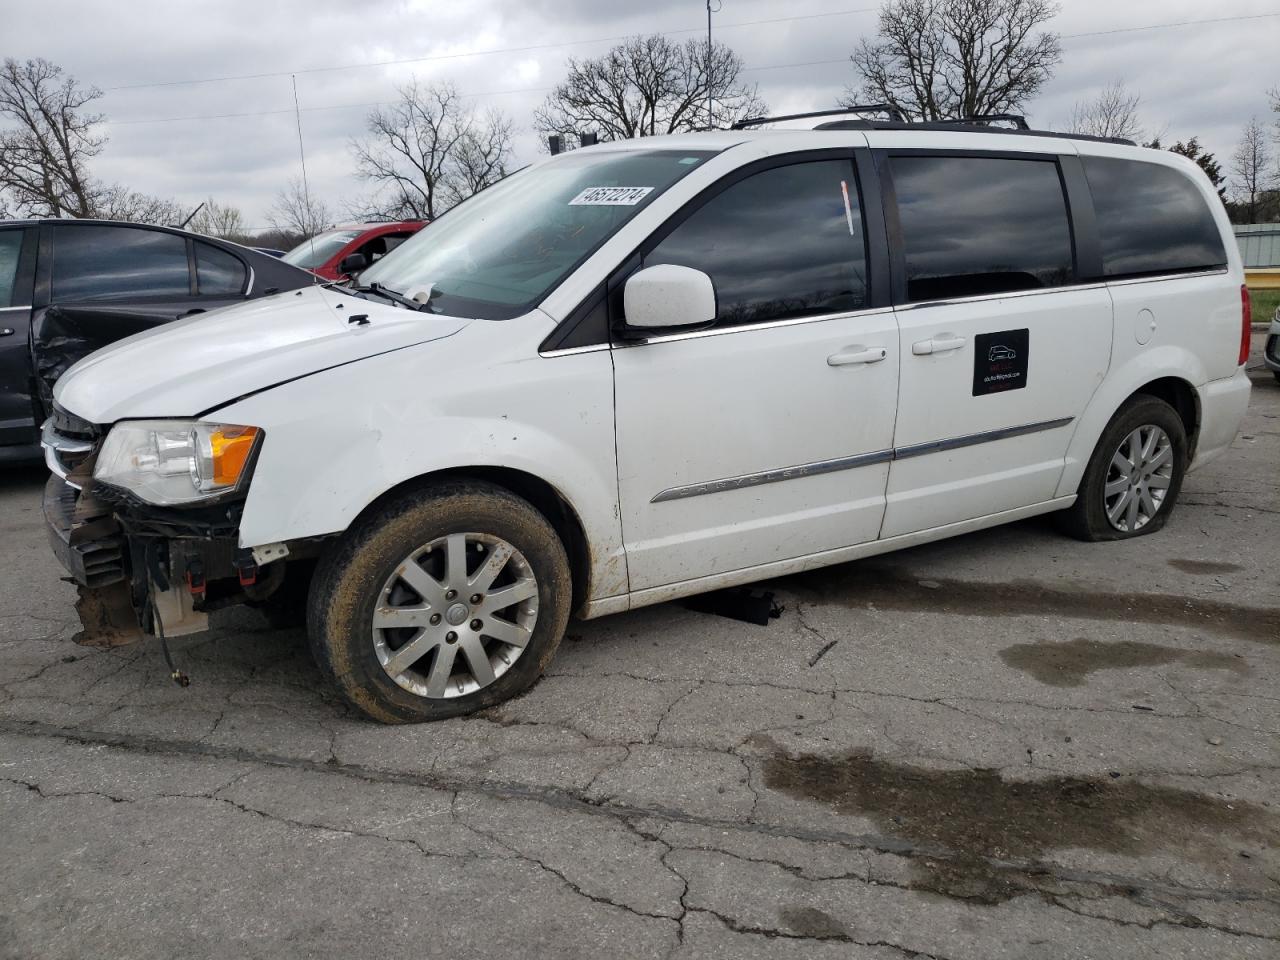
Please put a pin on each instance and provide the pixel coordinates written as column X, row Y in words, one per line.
column 1008, row 744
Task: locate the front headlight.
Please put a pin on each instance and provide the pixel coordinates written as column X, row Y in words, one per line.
column 173, row 462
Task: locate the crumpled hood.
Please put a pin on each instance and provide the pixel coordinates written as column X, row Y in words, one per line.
column 190, row 366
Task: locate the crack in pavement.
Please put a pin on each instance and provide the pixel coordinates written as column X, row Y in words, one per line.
column 565, row 800
column 775, row 934
column 576, row 888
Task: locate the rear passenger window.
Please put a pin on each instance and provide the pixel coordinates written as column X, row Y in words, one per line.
column 218, row 273
column 1151, row 219
column 981, row 225
column 786, row 242
column 112, row 263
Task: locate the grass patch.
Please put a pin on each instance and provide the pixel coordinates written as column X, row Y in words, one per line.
column 1264, row 304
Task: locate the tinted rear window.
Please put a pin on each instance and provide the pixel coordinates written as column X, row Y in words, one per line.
column 112, row 263
column 1151, row 219
column 981, row 225
column 218, row 273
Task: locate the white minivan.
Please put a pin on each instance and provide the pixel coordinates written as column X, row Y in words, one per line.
column 651, row 368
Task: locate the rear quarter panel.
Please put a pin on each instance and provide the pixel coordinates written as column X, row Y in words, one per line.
column 1191, row 323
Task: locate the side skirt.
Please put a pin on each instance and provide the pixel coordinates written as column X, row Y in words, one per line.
column 779, row 568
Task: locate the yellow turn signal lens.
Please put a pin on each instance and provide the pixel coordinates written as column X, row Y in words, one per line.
column 229, row 449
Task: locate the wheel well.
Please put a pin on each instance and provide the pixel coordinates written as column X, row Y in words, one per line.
column 544, row 498
column 1182, row 397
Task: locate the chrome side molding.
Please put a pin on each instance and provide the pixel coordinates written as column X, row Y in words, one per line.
column 855, row 461
column 774, row 476
column 970, row 439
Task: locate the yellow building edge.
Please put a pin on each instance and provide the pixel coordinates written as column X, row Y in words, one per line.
column 1267, row 278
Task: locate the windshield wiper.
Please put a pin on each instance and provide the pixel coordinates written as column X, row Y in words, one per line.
column 379, row 290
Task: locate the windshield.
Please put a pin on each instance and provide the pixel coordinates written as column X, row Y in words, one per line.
column 501, row 252
column 311, row 253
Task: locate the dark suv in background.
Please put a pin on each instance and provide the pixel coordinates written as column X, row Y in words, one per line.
column 68, row 287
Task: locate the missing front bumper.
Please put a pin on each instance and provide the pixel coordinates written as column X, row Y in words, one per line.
column 146, row 571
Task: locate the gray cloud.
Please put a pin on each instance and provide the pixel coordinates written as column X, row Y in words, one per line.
column 1205, row 81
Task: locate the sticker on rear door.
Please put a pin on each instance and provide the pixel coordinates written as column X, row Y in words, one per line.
column 610, row 196
column 1000, row 361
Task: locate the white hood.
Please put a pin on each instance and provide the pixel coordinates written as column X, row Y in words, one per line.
column 190, row 366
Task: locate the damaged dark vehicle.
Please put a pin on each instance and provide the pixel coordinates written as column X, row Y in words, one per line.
column 69, row 287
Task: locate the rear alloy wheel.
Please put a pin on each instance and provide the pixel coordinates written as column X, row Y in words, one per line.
column 441, row 601
column 1138, row 478
column 1133, row 478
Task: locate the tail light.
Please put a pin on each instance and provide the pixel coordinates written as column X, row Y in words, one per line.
column 1246, row 325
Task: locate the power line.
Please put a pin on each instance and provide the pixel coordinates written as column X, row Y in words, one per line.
column 1164, row 26
column 515, row 90
column 388, row 103
column 289, row 110
column 477, row 53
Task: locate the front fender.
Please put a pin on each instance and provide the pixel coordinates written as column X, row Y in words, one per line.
column 337, row 441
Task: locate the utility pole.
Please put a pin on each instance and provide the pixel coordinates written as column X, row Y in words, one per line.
column 709, row 124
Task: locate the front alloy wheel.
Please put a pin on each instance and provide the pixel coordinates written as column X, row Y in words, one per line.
column 444, row 599
column 455, row 615
column 1138, row 478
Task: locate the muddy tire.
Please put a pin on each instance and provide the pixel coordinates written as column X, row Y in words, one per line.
column 1132, row 481
column 439, row 602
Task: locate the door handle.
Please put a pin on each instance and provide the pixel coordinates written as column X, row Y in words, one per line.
column 858, row 354
column 193, row 311
column 940, row 344
column 6, row 332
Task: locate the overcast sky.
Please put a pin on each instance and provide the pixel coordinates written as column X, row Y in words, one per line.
column 1204, row 80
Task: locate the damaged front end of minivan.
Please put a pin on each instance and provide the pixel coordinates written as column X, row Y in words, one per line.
column 145, row 517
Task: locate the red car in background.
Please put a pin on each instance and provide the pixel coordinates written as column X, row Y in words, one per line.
column 326, row 254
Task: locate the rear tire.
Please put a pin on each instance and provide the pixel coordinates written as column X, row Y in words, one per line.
column 1132, row 481
column 442, row 601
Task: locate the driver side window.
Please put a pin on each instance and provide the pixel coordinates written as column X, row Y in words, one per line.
column 785, row 242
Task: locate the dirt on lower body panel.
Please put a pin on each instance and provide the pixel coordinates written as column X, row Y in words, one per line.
column 107, row 617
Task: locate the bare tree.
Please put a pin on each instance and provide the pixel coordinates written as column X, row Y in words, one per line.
column 218, row 220
column 117, row 202
column 943, row 59
column 429, row 150
column 297, row 213
column 1251, row 166
column 481, row 157
column 647, row 86
column 43, row 153
column 1112, row 113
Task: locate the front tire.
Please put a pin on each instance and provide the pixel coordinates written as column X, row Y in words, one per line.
column 440, row 602
column 1132, row 481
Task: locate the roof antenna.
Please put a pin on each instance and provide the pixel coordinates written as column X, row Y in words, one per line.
column 184, row 223
column 302, row 155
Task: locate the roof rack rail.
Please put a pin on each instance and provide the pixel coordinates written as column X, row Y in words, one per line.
column 888, row 109
column 1019, row 121
column 976, row 123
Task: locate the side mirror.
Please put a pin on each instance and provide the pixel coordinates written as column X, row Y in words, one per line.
column 669, row 296
column 353, row 264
